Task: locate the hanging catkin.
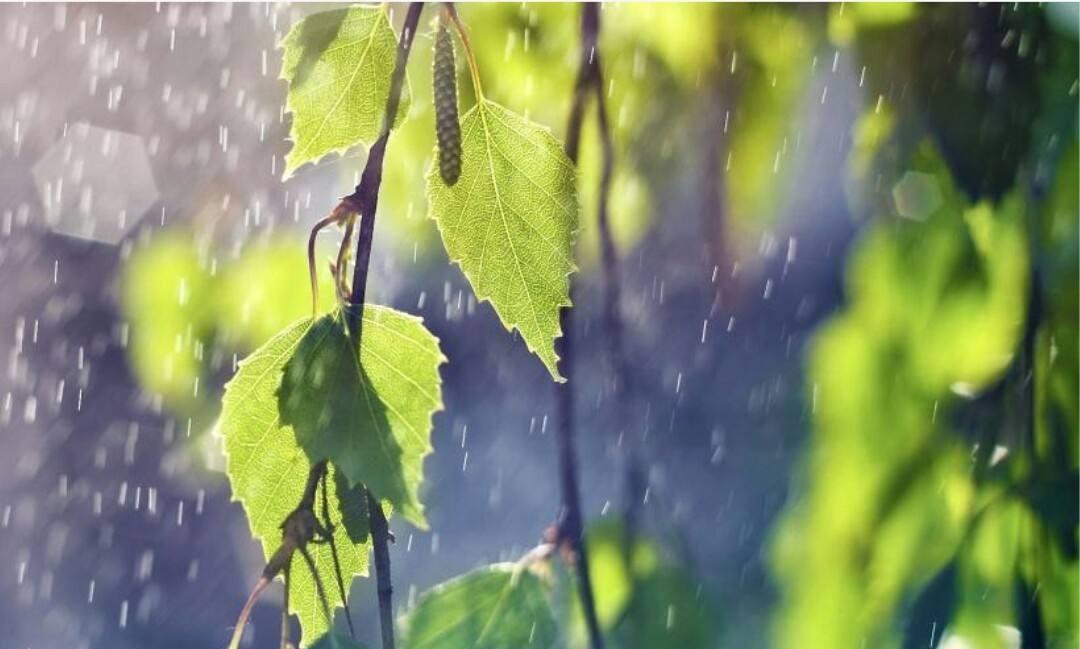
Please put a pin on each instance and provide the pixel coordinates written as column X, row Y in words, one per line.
column 447, row 128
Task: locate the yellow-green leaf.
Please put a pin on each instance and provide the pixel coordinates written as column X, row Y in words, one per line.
column 338, row 65
column 268, row 469
column 270, row 439
column 510, row 222
column 368, row 413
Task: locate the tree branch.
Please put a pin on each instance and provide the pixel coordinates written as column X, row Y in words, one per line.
column 364, row 201
column 570, row 528
column 365, row 197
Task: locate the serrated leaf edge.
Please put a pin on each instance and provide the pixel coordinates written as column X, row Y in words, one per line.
column 574, row 232
column 290, row 172
column 440, row 405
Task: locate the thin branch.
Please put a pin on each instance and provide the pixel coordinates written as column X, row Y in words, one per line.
column 315, row 474
column 590, row 28
column 365, row 198
column 364, row 201
column 380, row 533
column 624, row 387
column 571, row 528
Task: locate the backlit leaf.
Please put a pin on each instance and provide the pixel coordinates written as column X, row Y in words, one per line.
column 510, row 222
column 369, row 414
column 269, row 441
column 268, row 469
column 338, row 64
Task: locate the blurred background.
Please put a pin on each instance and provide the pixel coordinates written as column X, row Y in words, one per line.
column 848, row 237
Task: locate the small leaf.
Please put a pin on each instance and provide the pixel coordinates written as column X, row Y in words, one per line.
column 495, row 607
column 368, row 413
column 510, row 222
column 339, row 65
column 267, row 471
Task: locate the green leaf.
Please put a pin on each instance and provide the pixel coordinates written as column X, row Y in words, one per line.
column 368, row 413
column 335, row 640
column 268, row 469
column 338, row 64
column 495, row 607
column 510, row 222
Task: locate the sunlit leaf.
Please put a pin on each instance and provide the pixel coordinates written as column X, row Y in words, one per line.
column 495, row 607
column 510, row 221
column 268, row 469
column 338, row 65
column 368, row 413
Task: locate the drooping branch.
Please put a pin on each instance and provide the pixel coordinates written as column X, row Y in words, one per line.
column 624, row 387
column 571, row 525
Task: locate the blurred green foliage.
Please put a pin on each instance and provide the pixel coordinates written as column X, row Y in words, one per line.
column 186, row 306
column 944, row 448
column 644, row 597
column 932, row 315
column 165, row 293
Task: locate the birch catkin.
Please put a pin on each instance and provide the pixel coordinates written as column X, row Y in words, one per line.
column 447, row 127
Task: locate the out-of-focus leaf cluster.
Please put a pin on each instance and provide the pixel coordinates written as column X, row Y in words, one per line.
column 940, row 500
column 189, row 311
column 644, row 597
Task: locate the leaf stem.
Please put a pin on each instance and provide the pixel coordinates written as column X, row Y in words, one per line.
column 245, row 613
column 474, row 69
column 285, row 609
